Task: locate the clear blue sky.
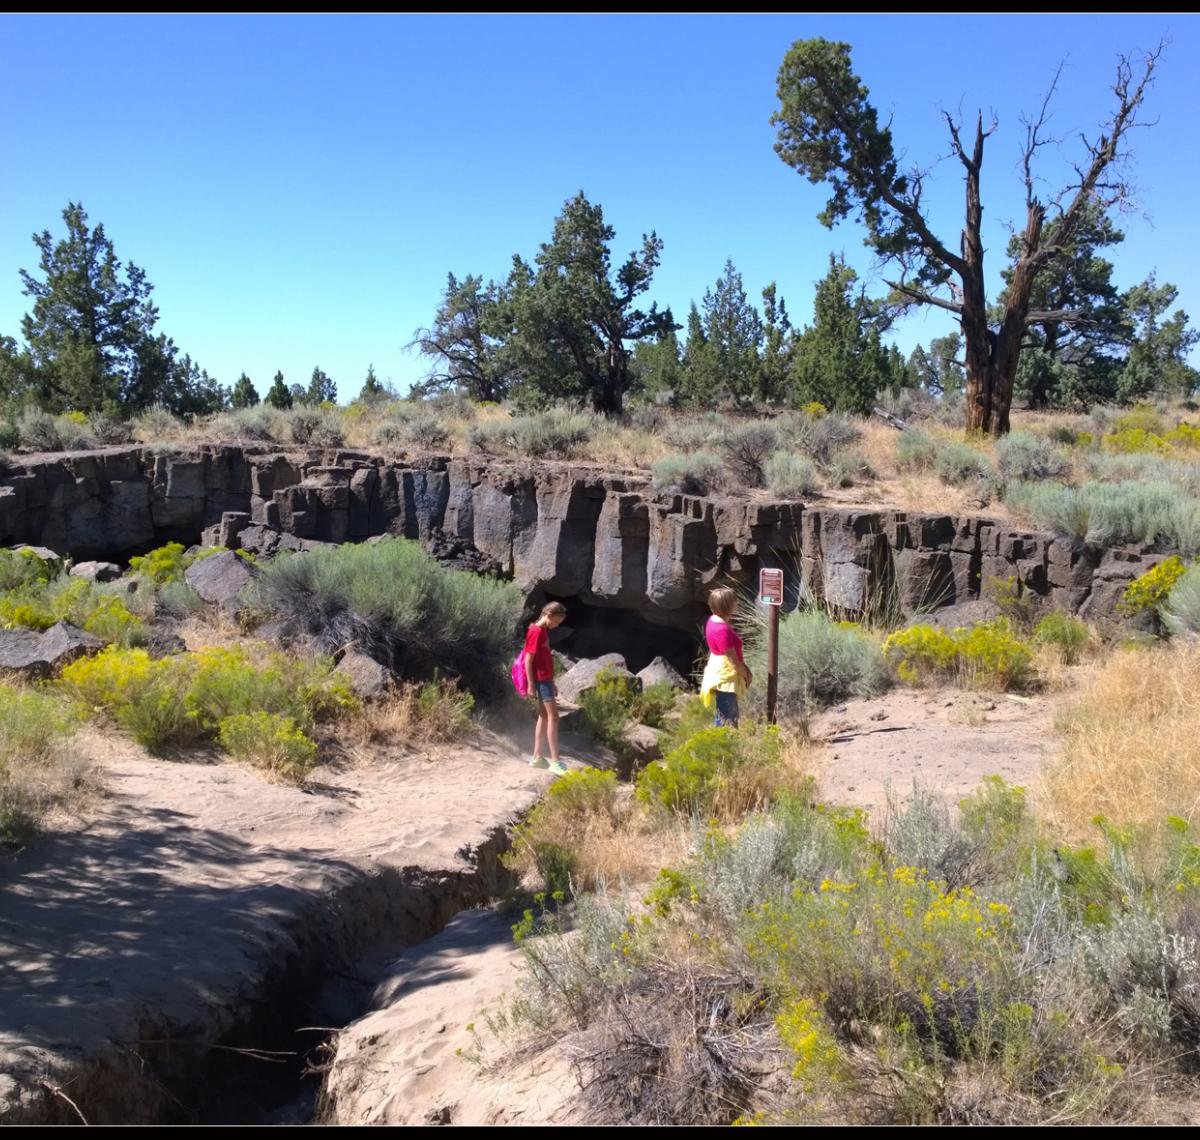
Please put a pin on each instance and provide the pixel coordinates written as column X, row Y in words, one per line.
column 297, row 187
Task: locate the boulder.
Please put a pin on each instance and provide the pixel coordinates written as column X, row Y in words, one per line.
column 35, row 654
column 643, row 744
column 965, row 614
column 659, row 670
column 220, row 577
column 582, row 676
column 96, row 571
column 366, row 676
column 45, row 554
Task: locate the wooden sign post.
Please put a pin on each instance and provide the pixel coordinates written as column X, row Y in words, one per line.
column 770, row 594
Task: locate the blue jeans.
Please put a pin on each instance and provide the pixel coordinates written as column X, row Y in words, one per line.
column 545, row 690
column 727, row 709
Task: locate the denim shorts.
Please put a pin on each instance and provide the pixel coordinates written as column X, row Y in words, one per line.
column 545, row 690
column 727, row 709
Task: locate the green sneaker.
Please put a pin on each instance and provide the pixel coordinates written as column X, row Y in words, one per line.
column 538, row 762
column 559, row 768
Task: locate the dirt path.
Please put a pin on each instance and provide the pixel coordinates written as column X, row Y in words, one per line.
column 192, row 882
column 946, row 740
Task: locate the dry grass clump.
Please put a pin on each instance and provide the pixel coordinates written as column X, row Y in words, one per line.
column 411, row 715
column 39, row 770
column 1132, row 748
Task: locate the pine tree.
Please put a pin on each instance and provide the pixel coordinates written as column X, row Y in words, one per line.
column 245, row 395
column 321, row 390
column 278, row 395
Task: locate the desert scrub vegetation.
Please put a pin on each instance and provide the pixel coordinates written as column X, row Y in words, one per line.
column 36, row 594
column 590, row 830
column 38, row 769
column 167, row 564
column 396, row 603
column 1130, row 743
column 697, row 473
column 1181, row 613
column 259, row 709
column 616, row 703
column 413, row 714
column 821, row 660
column 988, row 655
column 798, row 969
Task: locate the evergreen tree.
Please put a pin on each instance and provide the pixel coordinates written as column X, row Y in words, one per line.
column 244, row 395
column 699, row 380
column 91, row 317
column 568, row 325
column 657, row 371
column 278, row 395
column 840, row 361
column 1156, row 361
column 467, row 357
column 733, row 331
column 778, row 346
column 321, row 390
column 372, row 390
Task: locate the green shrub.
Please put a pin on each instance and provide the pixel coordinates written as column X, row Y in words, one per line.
column 21, row 568
column 31, row 724
column 915, row 449
column 821, row 661
column 41, row 603
column 791, row 476
column 958, row 463
column 179, row 699
column 1148, row 591
column 1181, row 613
column 549, row 837
column 1054, row 506
column 821, row 437
column 986, row 656
column 651, row 705
column 553, row 434
column 39, row 431
column 178, row 600
column 393, row 596
column 270, row 741
column 1023, row 455
column 691, row 778
column 694, row 474
column 1068, row 634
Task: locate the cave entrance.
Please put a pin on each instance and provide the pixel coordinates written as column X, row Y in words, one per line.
column 592, row 631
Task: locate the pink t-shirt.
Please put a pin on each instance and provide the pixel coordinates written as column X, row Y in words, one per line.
column 723, row 639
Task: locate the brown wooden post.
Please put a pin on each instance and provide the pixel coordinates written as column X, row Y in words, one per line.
column 770, row 592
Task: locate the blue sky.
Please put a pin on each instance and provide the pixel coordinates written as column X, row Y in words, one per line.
column 297, row 187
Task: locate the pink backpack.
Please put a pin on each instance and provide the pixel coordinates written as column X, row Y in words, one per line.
column 520, row 676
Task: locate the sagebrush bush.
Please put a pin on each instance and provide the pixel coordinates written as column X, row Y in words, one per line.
column 791, row 476
column 39, row 431
column 21, row 568
column 821, row 661
column 400, row 606
column 553, row 434
column 959, row 464
column 987, row 655
column 1023, row 455
column 1181, row 611
column 696, row 474
column 916, row 449
column 746, row 449
column 848, row 467
column 821, row 437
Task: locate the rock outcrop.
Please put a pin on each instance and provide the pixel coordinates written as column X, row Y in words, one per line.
column 560, row 531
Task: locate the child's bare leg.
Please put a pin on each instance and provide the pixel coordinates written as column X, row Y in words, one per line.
column 551, row 727
column 539, row 729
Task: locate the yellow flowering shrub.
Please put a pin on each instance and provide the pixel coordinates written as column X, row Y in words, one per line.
column 985, row 656
column 270, row 741
column 1148, row 591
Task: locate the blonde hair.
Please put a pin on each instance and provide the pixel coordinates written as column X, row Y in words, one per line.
column 553, row 609
column 722, row 601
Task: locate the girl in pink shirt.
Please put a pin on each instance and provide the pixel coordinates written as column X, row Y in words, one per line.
column 726, row 678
